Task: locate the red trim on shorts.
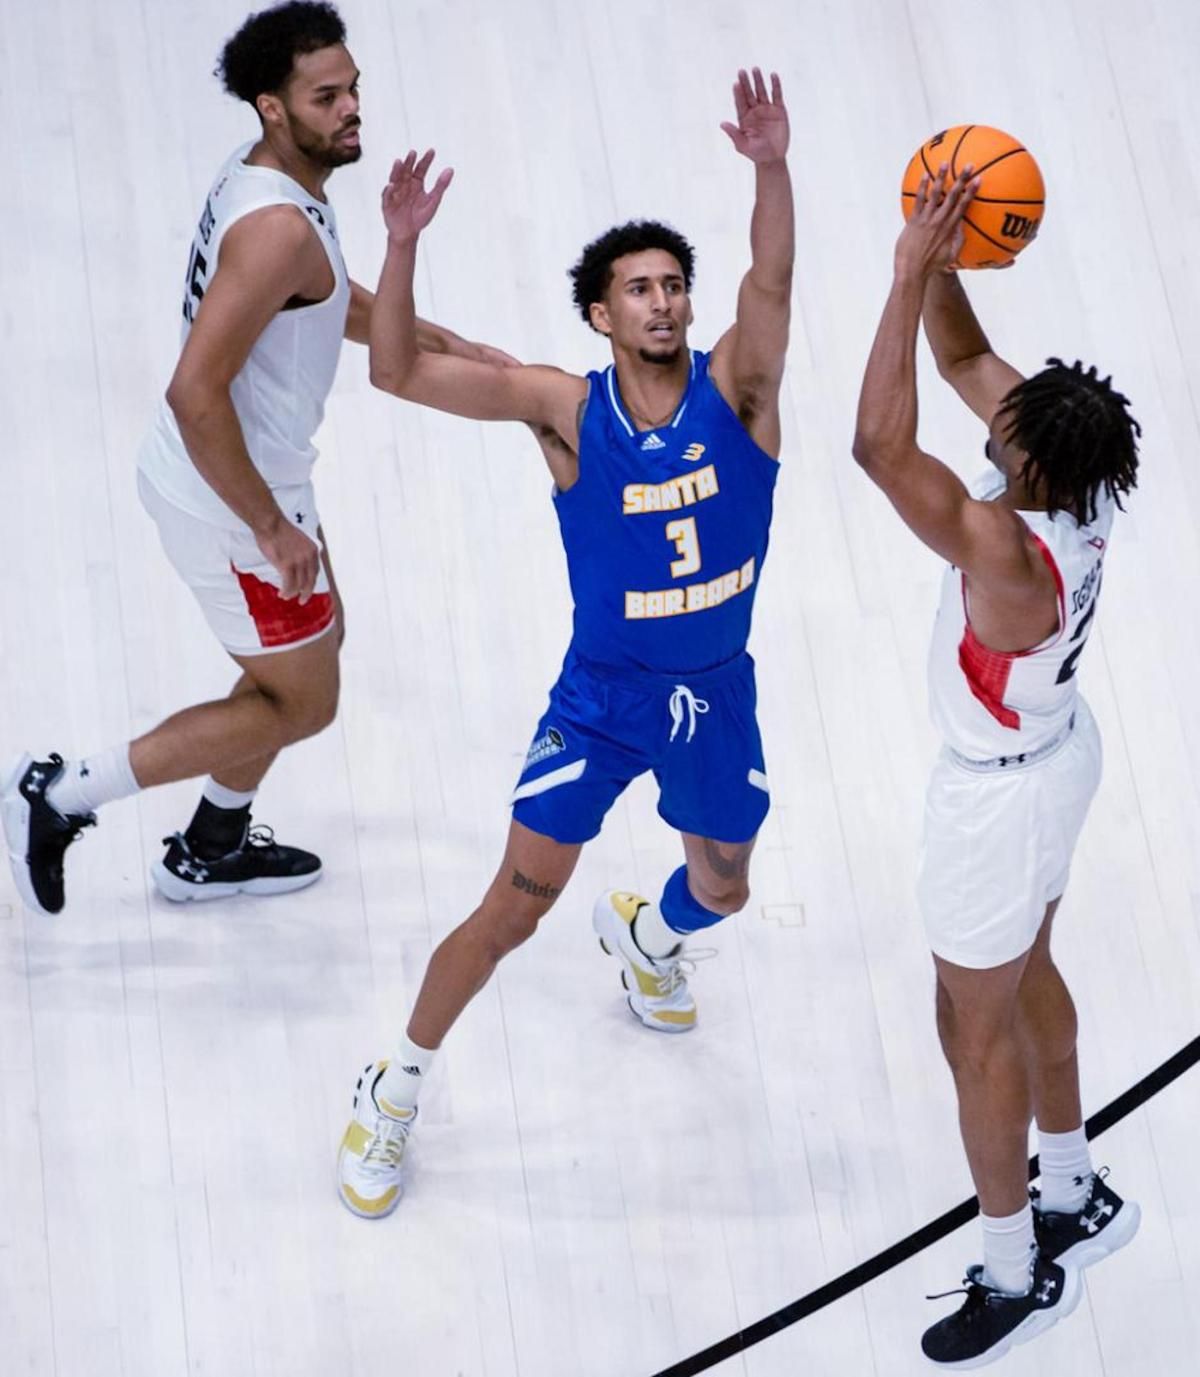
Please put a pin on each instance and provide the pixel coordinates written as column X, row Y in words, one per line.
column 283, row 621
column 988, row 671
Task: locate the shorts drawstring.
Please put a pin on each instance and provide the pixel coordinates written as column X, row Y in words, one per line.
column 682, row 698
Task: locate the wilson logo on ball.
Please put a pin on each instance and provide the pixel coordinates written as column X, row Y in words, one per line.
column 1018, row 227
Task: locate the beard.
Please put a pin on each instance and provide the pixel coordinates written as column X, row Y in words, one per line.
column 324, row 152
column 665, row 358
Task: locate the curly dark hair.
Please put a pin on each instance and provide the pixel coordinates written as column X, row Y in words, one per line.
column 1078, row 432
column 259, row 57
column 593, row 273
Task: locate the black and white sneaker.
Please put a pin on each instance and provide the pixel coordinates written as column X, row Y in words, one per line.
column 989, row 1322
column 259, row 866
column 38, row 834
column 1102, row 1224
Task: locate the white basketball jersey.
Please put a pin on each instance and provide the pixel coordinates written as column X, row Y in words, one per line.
column 990, row 703
column 279, row 394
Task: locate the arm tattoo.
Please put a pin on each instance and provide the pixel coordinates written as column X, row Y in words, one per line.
column 528, row 886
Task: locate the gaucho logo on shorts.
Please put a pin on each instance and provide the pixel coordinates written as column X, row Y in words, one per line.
column 545, row 746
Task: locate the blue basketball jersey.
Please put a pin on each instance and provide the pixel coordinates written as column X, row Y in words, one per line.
column 665, row 530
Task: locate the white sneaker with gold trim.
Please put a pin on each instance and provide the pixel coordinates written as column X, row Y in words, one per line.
column 656, row 987
column 372, row 1150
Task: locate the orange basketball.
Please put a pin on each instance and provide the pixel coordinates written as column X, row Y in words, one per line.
column 1006, row 211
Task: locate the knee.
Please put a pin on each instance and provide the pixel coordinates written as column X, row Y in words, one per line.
column 307, row 714
column 504, row 926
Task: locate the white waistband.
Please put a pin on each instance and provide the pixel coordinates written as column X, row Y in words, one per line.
column 1013, row 762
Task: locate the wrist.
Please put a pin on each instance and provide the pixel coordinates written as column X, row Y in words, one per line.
column 268, row 523
column 404, row 242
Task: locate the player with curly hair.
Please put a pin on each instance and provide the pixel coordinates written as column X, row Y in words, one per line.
column 664, row 467
column 1020, row 765
column 226, row 474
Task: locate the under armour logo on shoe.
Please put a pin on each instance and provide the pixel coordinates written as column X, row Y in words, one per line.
column 1044, row 1291
column 36, row 780
column 189, row 871
column 1093, row 1223
column 84, row 771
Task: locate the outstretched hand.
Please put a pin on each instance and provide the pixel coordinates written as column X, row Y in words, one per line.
column 933, row 237
column 407, row 206
column 761, row 132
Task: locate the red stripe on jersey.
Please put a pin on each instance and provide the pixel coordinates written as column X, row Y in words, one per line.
column 987, row 671
column 283, row 621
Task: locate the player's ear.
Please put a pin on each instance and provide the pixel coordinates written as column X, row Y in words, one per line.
column 598, row 314
column 270, row 109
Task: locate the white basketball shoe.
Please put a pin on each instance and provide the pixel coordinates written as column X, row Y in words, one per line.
column 372, row 1150
column 656, row 987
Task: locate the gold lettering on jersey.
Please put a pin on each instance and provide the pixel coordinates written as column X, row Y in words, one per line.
column 695, row 597
column 693, row 452
column 684, row 491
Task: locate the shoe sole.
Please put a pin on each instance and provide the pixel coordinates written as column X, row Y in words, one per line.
column 170, row 886
column 14, row 813
column 1108, row 1241
column 1031, row 1327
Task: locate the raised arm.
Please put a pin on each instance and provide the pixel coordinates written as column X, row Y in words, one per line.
column 484, row 391
column 982, row 538
column 747, row 363
column 961, row 349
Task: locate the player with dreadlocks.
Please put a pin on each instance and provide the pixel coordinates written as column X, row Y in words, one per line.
column 1020, row 765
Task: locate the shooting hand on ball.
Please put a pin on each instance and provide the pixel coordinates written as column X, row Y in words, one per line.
column 931, row 239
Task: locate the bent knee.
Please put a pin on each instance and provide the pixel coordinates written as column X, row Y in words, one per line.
column 504, row 926
column 304, row 715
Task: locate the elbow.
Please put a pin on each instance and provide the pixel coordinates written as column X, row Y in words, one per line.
column 866, row 450
column 190, row 404
column 388, row 376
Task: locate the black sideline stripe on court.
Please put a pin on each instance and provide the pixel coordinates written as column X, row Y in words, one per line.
column 938, row 1228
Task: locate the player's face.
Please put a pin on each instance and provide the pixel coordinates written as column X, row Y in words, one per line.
column 320, row 104
column 646, row 310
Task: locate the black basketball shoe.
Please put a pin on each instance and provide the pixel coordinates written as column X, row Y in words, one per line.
column 989, row 1322
column 1101, row 1225
column 259, row 866
column 38, row 834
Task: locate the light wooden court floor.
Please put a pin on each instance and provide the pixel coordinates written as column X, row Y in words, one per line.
column 585, row 1200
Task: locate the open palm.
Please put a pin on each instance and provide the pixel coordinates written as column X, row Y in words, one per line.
column 761, row 132
column 407, row 206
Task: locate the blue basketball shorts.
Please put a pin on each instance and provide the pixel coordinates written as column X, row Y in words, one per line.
column 606, row 726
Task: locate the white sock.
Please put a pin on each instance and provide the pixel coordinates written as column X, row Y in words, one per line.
column 1066, row 1163
column 1008, row 1246
column 407, row 1068
column 651, row 933
column 97, row 779
column 220, row 797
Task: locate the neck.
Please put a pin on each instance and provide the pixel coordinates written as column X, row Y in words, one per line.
column 1020, row 497
column 652, row 392
column 292, row 163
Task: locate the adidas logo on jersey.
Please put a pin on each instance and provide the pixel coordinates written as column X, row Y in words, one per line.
column 652, row 441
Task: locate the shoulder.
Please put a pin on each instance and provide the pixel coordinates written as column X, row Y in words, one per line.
column 1005, row 551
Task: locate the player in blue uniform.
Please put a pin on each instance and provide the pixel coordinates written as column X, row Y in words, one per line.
column 664, row 468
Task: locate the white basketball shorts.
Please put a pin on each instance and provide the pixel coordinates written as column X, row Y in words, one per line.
column 234, row 583
column 998, row 846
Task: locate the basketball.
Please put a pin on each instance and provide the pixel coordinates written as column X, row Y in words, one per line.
column 1006, row 211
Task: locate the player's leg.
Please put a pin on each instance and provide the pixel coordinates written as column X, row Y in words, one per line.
column 532, row 875
column 1017, row 1292
column 713, row 785
column 45, row 803
column 1076, row 1213
column 572, row 775
column 221, row 824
